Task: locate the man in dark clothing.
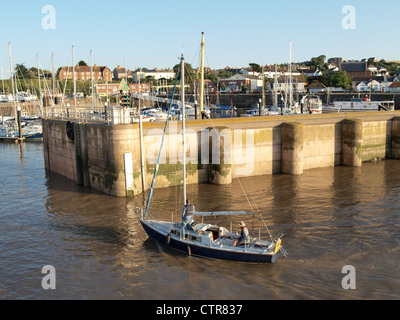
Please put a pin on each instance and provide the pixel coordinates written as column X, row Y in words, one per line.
column 187, row 215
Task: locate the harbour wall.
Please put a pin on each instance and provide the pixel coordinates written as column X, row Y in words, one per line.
column 108, row 157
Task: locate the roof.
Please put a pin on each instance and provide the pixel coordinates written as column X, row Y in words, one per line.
column 295, row 79
column 119, row 70
column 86, row 68
column 316, row 85
column 354, row 66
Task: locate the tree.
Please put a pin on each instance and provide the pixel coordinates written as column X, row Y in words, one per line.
column 315, row 61
column 225, row 74
column 255, row 67
column 82, row 63
column 190, row 76
column 22, row 71
column 340, row 79
column 211, row 76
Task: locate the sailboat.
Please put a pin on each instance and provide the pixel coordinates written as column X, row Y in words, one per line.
column 206, row 240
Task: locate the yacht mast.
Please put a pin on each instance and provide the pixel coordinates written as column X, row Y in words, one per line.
column 53, row 74
column 183, row 126
column 263, row 93
column 91, row 76
column 12, row 84
column 290, row 76
column 141, row 142
column 73, row 76
column 202, row 75
column 40, row 86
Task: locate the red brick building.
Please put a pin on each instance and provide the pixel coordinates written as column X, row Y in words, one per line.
column 209, row 87
column 112, row 88
column 100, row 73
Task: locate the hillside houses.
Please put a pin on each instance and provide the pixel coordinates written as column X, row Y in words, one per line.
column 155, row 74
column 240, row 83
column 368, row 75
column 84, row 73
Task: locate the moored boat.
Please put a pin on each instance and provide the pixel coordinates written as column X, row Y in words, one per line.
column 359, row 104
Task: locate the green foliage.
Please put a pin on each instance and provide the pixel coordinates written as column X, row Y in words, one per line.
column 190, row 76
column 340, row 79
column 315, row 61
column 211, row 76
column 255, row 67
column 22, row 71
column 391, row 67
column 224, row 74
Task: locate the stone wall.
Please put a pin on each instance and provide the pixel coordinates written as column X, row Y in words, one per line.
column 59, row 151
column 107, row 157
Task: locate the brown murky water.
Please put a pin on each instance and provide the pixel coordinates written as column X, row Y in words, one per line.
column 331, row 218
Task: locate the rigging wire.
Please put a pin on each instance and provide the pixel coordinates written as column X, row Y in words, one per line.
column 245, row 194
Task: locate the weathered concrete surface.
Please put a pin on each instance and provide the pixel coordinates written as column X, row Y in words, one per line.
column 217, row 150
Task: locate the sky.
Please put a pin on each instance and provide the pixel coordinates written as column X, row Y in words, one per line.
column 154, row 33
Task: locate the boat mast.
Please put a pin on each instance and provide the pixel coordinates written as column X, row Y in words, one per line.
column 202, row 75
column 73, row 76
column 91, row 76
column 12, row 84
column 263, row 92
column 276, row 86
column 53, row 74
column 183, row 126
column 40, row 86
column 290, row 76
column 141, row 141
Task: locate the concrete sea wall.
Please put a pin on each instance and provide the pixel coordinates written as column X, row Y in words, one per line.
column 108, row 157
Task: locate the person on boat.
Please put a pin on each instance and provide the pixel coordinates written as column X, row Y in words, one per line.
column 187, row 215
column 244, row 237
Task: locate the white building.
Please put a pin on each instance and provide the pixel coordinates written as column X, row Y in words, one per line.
column 282, row 84
column 372, row 86
column 156, row 74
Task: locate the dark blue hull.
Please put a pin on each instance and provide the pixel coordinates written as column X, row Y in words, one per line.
column 209, row 252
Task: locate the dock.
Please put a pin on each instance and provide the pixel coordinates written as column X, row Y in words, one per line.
column 15, row 140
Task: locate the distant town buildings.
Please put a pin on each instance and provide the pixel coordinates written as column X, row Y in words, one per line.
column 110, row 89
column 358, row 70
column 155, row 74
column 121, row 73
column 368, row 75
column 241, row 83
column 100, row 73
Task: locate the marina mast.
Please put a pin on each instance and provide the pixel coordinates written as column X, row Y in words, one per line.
column 202, row 76
column 183, row 126
column 12, row 84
